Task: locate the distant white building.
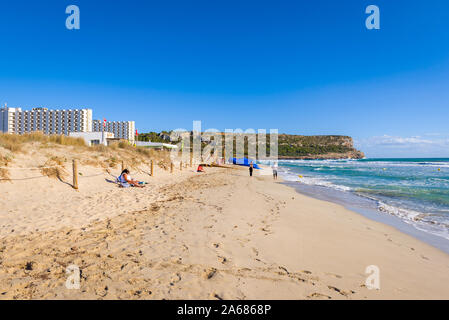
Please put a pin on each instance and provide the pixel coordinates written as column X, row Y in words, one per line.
column 121, row 129
column 18, row 121
column 93, row 138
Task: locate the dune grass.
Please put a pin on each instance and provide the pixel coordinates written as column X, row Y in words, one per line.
column 135, row 156
column 69, row 148
column 55, row 168
column 4, row 162
column 16, row 142
column 4, row 174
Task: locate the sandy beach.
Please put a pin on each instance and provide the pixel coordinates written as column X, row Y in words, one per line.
column 218, row 235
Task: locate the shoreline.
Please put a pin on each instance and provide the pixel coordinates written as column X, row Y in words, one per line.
column 219, row 235
column 384, row 190
column 341, row 198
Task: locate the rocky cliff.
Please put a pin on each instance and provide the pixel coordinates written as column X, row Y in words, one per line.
column 317, row 147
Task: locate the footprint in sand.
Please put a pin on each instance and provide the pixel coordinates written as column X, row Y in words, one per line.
column 216, row 296
column 343, row 293
column 334, row 275
column 306, row 271
column 255, row 251
column 283, row 269
column 318, row 295
column 175, row 279
column 210, row 273
column 223, row 260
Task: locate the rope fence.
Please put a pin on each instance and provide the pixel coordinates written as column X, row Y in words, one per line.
column 74, row 176
column 34, row 168
column 77, row 175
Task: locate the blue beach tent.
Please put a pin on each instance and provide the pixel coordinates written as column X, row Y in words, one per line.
column 243, row 162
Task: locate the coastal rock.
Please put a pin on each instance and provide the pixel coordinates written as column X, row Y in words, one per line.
column 317, row 147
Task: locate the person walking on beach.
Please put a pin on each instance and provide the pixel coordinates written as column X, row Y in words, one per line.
column 275, row 173
column 251, row 168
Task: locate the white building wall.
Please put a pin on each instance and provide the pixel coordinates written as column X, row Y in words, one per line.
column 121, row 129
column 7, row 119
column 93, row 138
column 47, row 121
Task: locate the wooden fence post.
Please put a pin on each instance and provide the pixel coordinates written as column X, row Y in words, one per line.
column 75, row 174
column 152, row 168
column 171, row 167
column 191, row 160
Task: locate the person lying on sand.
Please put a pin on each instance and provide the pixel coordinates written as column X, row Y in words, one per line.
column 126, row 181
column 200, row 169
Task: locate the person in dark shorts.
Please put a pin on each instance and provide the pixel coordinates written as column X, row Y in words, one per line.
column 251, row 168
column 275, row 173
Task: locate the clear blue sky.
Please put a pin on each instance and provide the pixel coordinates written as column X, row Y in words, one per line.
column 303, row 67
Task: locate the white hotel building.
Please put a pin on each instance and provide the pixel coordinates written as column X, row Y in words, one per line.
column 18, row 121
column 121, row 129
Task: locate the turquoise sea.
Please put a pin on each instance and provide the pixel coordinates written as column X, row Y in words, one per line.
column 414, row 190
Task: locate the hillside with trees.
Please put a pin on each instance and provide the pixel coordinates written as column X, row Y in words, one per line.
column 291, row 146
